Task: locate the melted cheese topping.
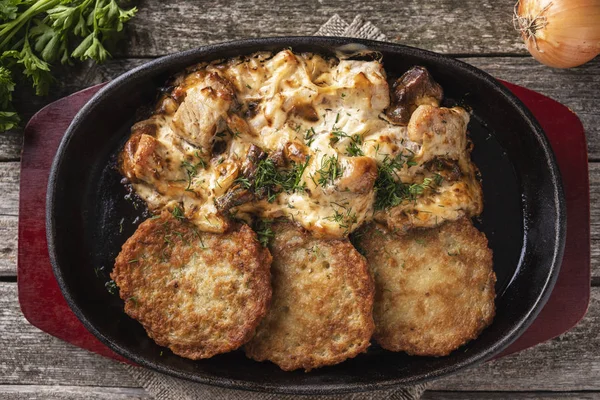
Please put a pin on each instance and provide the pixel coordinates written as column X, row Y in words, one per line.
column 321, row 113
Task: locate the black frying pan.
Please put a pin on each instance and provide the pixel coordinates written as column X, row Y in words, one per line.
column 89, row 217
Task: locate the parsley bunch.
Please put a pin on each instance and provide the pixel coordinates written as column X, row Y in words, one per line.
column 35, row 34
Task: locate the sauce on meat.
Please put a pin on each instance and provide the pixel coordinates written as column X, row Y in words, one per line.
column 303, row 137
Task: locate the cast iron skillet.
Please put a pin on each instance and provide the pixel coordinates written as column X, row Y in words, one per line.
column 89, row 217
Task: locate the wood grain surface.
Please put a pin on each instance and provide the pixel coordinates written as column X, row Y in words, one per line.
column 34, row 365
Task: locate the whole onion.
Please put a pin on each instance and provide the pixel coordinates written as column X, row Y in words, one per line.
column 560, row 33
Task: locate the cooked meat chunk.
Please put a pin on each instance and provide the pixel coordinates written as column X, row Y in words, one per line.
column 322, row 302
column 434, row 288
column 145, row 159
column 414, row 88
column 440, row 132
column 198, row 293
column 204, row 111
column 359, row 174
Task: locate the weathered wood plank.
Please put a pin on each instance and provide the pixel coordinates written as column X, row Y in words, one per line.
column 10, row 146
column 595, row 218
column 9, row 188
column 8, row 245
column 569, row 363
column 435, row 395
column 32, row 357
column 35, row 392
column 448, row 26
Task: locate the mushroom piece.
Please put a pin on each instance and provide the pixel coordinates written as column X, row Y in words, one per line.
column 414, row 88
column 238, row 194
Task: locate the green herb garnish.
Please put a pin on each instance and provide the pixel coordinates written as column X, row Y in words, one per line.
column 344, row 219
column 309, row 137
column 37, row 34
column 269, row 180
column 330, row 170
column 389, row 189
column 353, row 149
column 178, row 213
column 264, row 232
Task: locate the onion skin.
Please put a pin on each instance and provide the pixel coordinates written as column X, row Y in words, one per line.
column 560, row 33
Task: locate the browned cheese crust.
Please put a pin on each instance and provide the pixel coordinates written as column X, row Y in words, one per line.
column 434, row 287
column 321, row 312
column 197, row 293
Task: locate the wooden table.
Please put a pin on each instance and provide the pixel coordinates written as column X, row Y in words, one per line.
column 35, row 365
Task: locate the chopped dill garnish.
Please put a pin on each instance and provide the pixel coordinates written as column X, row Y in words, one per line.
column 418, row 188
column 353, row 149
column 264, row 232
column 244, row 182
column 309, row 137
column 391, row 191
column 178, row 213
column 192, row 170
column 344, row 219
column 330, row 170
column 269, row 180
column 266, row 179
column 197, row 233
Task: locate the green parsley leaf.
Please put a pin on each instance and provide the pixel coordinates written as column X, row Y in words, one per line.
column 8, row 9
column 8, row 117
column 35, row 34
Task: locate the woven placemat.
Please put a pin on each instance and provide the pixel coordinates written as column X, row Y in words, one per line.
column 165, row 387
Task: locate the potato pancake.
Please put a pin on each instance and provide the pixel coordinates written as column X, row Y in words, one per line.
column 321, row 312
column 197, row 293
column 434, row 288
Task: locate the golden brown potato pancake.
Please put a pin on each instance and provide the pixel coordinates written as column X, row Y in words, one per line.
column 321, row 313
column 434, row 288
column 197, row 293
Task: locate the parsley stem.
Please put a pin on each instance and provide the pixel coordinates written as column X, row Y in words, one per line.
column 11, row 28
